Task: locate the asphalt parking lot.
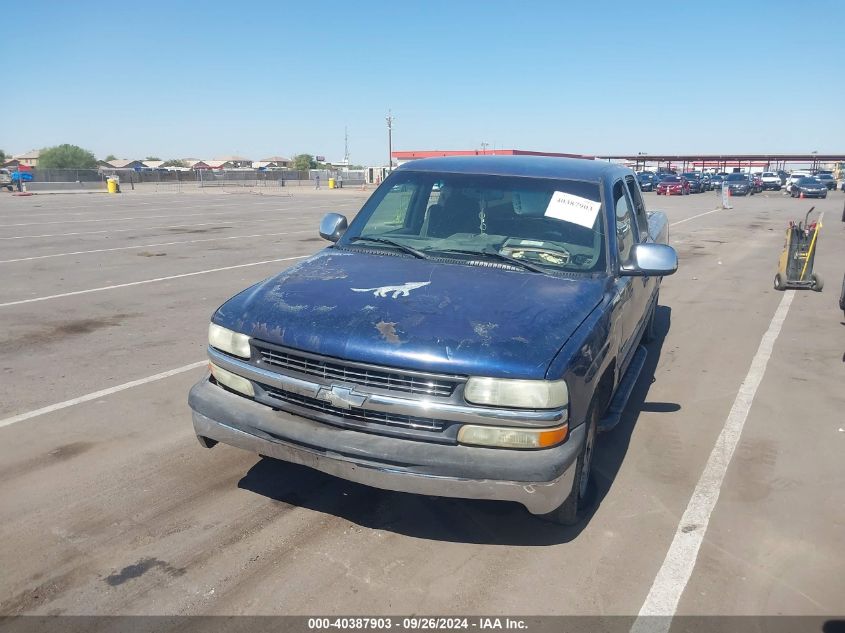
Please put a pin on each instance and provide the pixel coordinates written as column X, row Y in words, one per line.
column 104, row 308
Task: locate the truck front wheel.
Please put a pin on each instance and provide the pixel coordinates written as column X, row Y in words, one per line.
column 570, row 512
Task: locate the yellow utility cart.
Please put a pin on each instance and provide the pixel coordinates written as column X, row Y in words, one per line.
column 795, row 268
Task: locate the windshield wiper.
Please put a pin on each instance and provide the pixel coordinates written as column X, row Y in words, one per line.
column 495, row 255
column 383, row 240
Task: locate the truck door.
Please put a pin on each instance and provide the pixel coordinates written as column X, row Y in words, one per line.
column 645, row 286
column 629, row 296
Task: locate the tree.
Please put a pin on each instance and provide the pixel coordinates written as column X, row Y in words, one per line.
column 173, row 162
column 303, row 162
column 2, row 156
column 66, row 157
column 110, row 158
column 152, row 158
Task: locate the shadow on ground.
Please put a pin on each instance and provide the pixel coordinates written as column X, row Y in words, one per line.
column 457, row 520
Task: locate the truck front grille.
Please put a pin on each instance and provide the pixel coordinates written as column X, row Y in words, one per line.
column 356, row 414
column 337, row 370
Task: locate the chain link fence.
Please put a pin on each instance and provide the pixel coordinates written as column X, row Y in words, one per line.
column 172, row 180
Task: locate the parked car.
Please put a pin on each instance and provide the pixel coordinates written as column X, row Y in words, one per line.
column 827, row 179
column 770, row 181
column 673, row 185
column 808, row 187
column 783, row 176
column 646, row 180
column 756, row 182
column 694, row 180
column 6, row 180
column 716, row 181
column 389, row 358
column 738, row 184
column 794, row 177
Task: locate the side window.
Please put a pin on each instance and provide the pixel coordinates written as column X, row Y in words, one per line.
column 639, row 207
column 392, row 210
column 625, row 224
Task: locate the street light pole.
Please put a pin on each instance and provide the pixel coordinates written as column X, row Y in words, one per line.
column 389, row 141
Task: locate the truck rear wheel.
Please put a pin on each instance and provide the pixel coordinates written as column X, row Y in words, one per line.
column 571, row 511
column 818, row 282
column 780, row 284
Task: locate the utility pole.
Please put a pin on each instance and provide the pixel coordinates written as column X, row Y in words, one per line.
column 484, row 147
column 389, row 140
column 346, row 146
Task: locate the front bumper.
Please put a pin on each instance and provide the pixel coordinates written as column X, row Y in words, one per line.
column 540, row 480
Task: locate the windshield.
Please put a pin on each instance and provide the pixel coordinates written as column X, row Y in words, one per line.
column 824, row 177
column 737, row 178
column 808, row 181
column 768, row 174
column 671, row 179
column 553, row 224
column 690, row 176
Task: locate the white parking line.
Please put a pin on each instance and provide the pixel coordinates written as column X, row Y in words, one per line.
column 99, row 394
column 234, row 211
column 146, row 228
column 693, row 217
column 146, row 281
column 126, row 248
column 672, row 578
column 135, row 217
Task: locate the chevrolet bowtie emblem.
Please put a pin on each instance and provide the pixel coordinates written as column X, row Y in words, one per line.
column 340, row 397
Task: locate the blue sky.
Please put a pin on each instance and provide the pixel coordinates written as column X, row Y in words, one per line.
column 203, row 79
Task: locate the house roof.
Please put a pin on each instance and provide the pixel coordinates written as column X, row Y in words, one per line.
column 122, row 162
column 33, row 153
column 215, row 163
column 153, row 164
column 275, row 159
column 235, row 159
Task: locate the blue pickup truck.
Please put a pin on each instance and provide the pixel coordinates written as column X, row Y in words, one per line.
column 467, row 335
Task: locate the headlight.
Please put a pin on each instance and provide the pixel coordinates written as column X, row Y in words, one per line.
column 228, row 341
column 232, row 381
column 505, row 437
column 521, row 394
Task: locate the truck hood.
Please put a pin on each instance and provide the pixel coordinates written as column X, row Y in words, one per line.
column 416, row 314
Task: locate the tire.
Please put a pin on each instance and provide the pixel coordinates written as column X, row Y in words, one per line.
column 571, row 511
column 780, row 282
column 818, row 282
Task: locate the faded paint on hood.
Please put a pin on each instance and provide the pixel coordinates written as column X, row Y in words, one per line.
column 416, row 314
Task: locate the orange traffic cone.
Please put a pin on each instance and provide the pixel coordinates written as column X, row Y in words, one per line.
column 802, row 195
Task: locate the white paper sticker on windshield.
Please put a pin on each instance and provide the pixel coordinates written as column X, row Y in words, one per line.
column 575, row 209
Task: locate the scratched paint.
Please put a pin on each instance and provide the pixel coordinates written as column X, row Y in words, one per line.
column 460, row 319
column 388, row 332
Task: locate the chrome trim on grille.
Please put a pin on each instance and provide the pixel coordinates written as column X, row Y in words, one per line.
column 374, row 376
column 425, row 407
column 356, row 414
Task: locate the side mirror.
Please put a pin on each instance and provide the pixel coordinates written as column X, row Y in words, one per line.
column 333, row 226
column 651, row 260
